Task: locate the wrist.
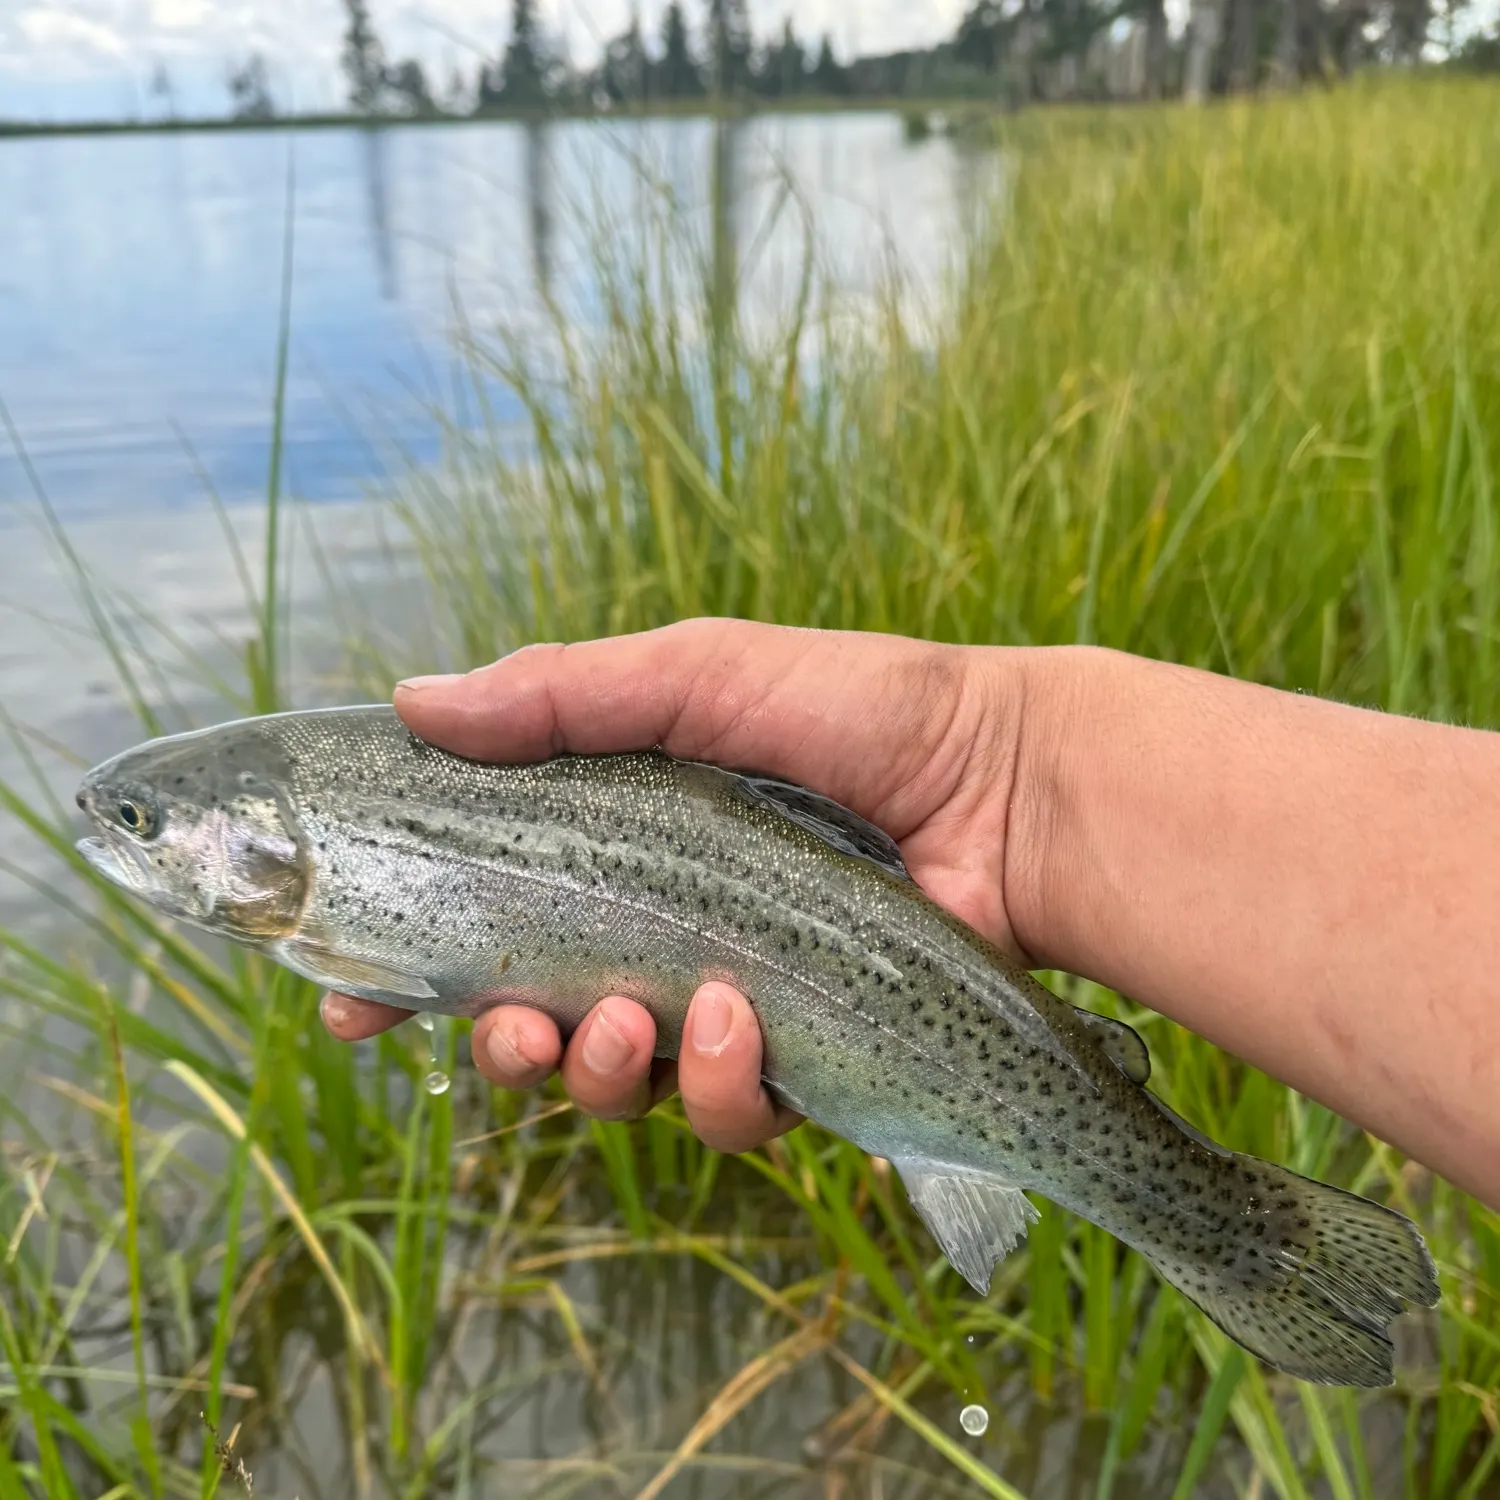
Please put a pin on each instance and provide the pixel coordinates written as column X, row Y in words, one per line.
column 1072, row 749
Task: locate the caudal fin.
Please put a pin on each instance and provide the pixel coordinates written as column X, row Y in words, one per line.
column 1314, row 1289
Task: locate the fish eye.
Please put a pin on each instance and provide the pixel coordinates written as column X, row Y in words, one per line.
column 136, row 817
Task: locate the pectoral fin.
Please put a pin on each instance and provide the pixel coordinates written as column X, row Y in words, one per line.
column 976, row 1219
column 354, row 976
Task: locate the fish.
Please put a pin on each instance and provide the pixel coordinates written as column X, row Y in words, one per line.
column 337, row 843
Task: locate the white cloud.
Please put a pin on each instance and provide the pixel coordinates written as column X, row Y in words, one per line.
column 60, row 32
column 178, row 15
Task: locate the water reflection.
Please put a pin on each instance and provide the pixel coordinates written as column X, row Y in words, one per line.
column 666, row 1335
column 140, row 280
column 539, row 205
column 377, row 167
column 139, row 276
column 725, row 183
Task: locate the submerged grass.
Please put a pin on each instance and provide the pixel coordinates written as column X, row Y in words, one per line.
column 1220, row 386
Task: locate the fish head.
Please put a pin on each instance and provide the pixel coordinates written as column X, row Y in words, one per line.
column 201, row 827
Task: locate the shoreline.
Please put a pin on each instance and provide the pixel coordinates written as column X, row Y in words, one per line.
column 663, row 110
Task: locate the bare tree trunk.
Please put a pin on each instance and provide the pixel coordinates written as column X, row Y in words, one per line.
column 1410, row 20
column 1207, row 24
column 1156, row 49
column 1299, row 42
column 1286, row 64
column 1244, row 45
column 1023, row 52
column 1125, row 66
column 1346, row 40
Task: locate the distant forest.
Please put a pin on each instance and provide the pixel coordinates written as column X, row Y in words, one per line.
column 1009, row 52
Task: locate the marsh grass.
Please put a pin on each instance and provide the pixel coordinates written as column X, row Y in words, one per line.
column 1220, row 386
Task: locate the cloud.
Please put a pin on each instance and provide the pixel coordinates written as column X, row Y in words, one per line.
column 178, row 15
column 59, row 32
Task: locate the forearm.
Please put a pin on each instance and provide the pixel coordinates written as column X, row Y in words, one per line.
column 1314, row 887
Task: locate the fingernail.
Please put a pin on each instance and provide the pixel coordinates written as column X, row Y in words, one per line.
column 436, row 683
column 335, row 1011
column 605, row 1049
column 713, row 1015
column 506, row 1052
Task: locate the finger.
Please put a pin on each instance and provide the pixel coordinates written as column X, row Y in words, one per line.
column 354, row 1020
column 719, row 1073
column 732, row 691
column 516, row 1047
column 607, row 1066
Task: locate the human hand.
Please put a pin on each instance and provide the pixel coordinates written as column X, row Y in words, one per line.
column 919, row 738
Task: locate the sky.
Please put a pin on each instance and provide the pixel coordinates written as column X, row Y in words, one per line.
column 70, row 59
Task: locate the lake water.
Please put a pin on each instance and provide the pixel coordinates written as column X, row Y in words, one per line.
column 140, row 289
column 140, row 276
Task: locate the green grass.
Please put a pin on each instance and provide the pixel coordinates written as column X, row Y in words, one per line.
column 1222, row 387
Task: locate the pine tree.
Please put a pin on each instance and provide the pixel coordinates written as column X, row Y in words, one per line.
column 408, row 80
column 162, row 88
column 625, row 74
column 729, row 46
column 458, row 88
column 783, row 69
column 793, row 61
column 677, row 75
column 363, row 59
column 250, row 89
column 828, row 77
column 522, row 76
column 982, row 35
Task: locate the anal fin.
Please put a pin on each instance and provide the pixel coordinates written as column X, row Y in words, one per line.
column 975, row 1218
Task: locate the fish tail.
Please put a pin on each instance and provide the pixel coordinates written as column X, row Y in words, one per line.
column 1311, row 1279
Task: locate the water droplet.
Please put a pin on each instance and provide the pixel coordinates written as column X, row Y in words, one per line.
column 437, row 1082
column 971, row 1338
column 428, row 1024
column 974, row 1420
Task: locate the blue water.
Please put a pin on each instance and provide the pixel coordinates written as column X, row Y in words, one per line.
column 140, row 287
column 140, row 278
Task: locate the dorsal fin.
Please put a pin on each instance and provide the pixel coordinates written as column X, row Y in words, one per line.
column 1191, row 1131
column 1121, row 1045
column 831, row 821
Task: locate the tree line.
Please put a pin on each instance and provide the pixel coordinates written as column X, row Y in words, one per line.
column 719, row 58
column 1013, row 51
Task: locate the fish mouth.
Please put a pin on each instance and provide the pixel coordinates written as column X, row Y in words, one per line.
column 106, row 858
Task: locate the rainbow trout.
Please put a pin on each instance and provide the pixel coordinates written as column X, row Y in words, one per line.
column 345, row 848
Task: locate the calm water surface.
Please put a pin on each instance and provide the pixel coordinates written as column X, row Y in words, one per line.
column 140, row 289
column 140, row 276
